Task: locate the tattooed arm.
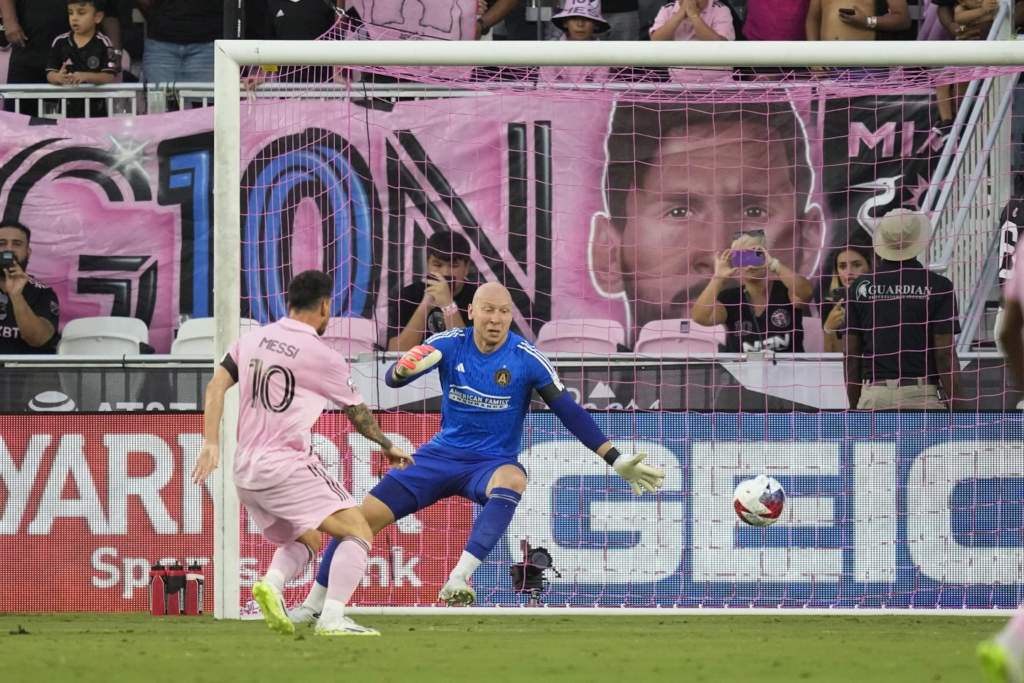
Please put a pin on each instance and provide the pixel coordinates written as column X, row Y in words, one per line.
column 362, row 419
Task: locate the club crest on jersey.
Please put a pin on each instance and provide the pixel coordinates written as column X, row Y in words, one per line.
column 502, row 377
column 780, row 318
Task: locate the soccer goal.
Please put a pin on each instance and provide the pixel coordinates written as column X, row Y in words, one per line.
column 598, row 181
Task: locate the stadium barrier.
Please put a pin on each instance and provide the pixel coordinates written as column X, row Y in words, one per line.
column 885, row 511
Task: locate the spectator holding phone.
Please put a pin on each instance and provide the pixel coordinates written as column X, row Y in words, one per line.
column 765, row 312
column 29, row 310
column 437, row 303
column 848, row 263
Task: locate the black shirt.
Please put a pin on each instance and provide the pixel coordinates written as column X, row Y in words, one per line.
column 780, row 327
column 43, row 302
column 896, row 312
column 95, row 57
column 185, row 22
column 400, row 311
column 302, row 20
column 43, row 21
column 619, row 6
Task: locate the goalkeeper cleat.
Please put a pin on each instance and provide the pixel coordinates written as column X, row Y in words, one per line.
column 303, row 614
column 997, row 663
column 342, row 626
column 457, row 591
column 275, row 612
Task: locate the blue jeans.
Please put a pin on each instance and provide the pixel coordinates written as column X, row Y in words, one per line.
column 174, row 63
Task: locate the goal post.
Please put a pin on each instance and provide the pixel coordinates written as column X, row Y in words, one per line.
column 999, row 57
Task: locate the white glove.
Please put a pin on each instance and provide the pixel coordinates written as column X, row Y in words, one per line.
column 637, row 474
column 416, row 360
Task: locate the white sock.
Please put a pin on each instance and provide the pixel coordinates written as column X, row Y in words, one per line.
column 332, row 609
column 276, row 579
column 466, row 566
column 316, row 597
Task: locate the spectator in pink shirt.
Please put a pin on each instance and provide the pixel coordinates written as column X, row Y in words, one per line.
column 776, row 20
column 695, row 20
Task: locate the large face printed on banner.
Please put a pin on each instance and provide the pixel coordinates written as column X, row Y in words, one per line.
column 682, row 198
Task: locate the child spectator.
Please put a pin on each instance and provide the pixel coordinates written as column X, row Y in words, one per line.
column 82, row 55
column 578, row 20
column 975, row 11
column 695, row 20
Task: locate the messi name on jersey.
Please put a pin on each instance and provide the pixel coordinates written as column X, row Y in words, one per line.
column 477, row 399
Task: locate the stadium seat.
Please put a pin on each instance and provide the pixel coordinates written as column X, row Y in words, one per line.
column 351, row 336
column 195, row 336
column 103, row 336
column 679, row 336
column 814, row 335
column 581, row 335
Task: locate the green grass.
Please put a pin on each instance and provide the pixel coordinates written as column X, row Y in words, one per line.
column 137, row 647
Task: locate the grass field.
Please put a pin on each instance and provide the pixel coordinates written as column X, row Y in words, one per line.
column 137, row 647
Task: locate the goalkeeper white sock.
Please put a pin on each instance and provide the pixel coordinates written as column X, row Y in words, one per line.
column 316, row 597
column 466, row 566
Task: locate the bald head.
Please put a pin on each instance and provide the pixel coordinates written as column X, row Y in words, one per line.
column 491, row 313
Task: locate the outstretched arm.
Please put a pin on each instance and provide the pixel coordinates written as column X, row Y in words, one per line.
column 582, row 425
column 224, row 377
column 362, row 419
column 417, row 362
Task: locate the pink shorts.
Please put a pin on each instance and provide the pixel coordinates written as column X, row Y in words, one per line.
column 305, row 498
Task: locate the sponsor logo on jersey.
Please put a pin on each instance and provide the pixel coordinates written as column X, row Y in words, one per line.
column 866, row 290
column 503, row 377
column 469, row 396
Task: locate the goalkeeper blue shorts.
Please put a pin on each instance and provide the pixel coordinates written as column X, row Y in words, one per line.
column 438, row 473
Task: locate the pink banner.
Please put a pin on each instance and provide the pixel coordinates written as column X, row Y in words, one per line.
column 582, row 209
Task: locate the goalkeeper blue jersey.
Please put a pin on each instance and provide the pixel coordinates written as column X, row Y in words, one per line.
column 485, row 396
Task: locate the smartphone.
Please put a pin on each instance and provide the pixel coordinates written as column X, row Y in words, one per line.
column 7, row 260
column 747, row 257
column 847, row 11
column 838, row 294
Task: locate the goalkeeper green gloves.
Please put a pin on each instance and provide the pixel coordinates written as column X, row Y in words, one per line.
column 638, row 474
column 416, row 360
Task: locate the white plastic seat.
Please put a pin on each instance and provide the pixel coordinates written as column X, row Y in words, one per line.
column 195, row 336
column 581, row 335
column 103, row 336
column 814, row 335
column 351, row 336
column 679, row 336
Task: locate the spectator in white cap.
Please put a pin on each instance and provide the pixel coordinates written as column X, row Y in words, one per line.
column 581, row 20
column 695, row 20
column 578, row 20
column 901, row 324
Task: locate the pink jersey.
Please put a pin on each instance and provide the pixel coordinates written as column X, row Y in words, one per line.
column 1013, row 289
column 285, row 376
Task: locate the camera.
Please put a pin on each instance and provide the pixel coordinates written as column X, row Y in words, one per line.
column 837, row 294
column 7, row 260
column 528, row 575
column 747, row 257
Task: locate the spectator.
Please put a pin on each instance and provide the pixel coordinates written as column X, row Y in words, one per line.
column 900, row 324
column 937, row 23
column 854, row 19
column 179, row 40
column 437, row 303
column 31, row 26
column 847, row 264
column 776, row 20
column 1010, row 327
column 765, row 312
column 82, row 56
column 695, row 20
column 295, row 20
column 975, row 11
column 624, row 18
column 578, row 20
column 29, row 310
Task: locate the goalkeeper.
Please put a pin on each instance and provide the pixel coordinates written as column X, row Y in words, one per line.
column 488, row 376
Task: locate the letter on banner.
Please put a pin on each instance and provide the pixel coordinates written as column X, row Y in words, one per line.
column 874, row 512
column 147, row 488
column 933, row 476
column 716, row 469
column 657, row 553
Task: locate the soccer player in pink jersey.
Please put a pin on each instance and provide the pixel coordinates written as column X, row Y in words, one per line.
column 286, row 375
column 1002, row 657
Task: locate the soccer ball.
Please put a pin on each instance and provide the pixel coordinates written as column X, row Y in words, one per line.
column 759, row 501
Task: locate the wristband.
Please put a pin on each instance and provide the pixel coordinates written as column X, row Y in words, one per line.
column 611, row 456
column 450, row 310
column 872, row 22
column 484, row 28
column 774, row 265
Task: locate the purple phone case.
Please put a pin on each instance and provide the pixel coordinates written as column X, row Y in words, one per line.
column 747, row 257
